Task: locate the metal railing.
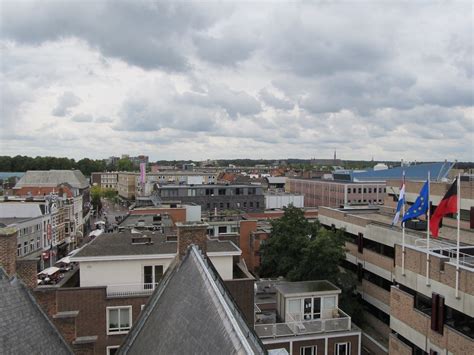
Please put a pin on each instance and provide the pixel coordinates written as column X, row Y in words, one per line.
column 449, row 250
column 125, row 290
column 302, row 327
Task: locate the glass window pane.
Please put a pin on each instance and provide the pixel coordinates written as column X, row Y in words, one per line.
column 113, row 318
column 158, row 273
column 329, row 303
column 294, row 306
column 125, row 318
column 147, row 274
column 307, row 308
column 317, row 305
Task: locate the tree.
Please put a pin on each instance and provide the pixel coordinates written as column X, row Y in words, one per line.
column 301, row 251
column 125, row 165
column 291, row 234
column 96, row 194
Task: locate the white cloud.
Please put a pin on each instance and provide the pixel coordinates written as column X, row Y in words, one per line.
column 240, row 80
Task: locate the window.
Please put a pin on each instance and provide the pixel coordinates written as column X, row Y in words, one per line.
column 18, row 250
column 119, row 319
column 112, row 350
column 245, row 204
column 342, row 349
column 329, row 302
column 312, row 308
column 25, row 247
column 151, row 276
column 221, row 192
column 309, row 350
column 251, row 204
column 348, row 190
column 258, row 204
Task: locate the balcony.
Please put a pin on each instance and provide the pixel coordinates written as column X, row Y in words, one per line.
column 297, row 327
column 127, row 290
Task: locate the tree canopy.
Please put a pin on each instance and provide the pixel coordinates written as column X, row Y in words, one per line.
column 301, row 251
column 21, row 163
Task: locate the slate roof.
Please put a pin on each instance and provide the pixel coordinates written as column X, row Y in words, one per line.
column 75, row 178
column 111, row 244
column 413, row 172
column 20, row 210
column 191, row 313
column 24, row 327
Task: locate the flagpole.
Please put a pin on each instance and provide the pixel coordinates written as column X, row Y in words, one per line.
column 403, row 228
column 458, row 233
column 428, row 233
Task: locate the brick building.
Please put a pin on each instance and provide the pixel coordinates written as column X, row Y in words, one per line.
column 406, row 311
column 105, row 180
column 333, row 193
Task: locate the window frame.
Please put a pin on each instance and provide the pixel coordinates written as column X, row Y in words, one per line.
column 314, row 349
column 348, row 348
column 108, row 317
column 110, row 347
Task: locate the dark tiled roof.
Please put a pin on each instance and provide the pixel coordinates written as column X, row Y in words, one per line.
column 189, row 313
column 110, row 244
column 24, row 327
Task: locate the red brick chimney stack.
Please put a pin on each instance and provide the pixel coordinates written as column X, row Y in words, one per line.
column 8, row 241
column 191, row 233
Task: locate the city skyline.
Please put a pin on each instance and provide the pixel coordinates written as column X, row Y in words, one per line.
column 198, row 81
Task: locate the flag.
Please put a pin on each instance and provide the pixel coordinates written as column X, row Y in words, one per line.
column 449, row 204
column 420, row 206
column 401, row 202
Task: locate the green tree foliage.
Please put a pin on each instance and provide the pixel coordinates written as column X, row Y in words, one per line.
column 96, row 194
column 301, row 251
column 21, row 163
column 125, row 165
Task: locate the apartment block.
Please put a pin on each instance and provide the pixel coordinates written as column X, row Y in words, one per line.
column 105, row 180
column 215, row 197
column 333, row 193
column 407, row 300
column 127, row 185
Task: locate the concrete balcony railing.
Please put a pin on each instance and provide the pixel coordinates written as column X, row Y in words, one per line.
column 303, row 327
column 126, row 290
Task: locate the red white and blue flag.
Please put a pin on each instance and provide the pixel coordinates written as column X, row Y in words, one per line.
column 401, row 201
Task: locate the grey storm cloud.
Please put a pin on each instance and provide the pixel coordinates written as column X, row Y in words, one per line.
column 82, row 117
column 148, row 34
column 271, row 100
column 65, row 102
column 301, row 75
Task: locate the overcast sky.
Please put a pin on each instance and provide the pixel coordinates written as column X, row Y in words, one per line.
column 180, row 80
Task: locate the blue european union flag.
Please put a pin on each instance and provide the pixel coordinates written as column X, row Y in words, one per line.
column 420, row 206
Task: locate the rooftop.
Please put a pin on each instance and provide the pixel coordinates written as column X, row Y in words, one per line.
column 297, row 288
column 21, row 315
column 210, row 322
column 75, row 178
column 120, row 244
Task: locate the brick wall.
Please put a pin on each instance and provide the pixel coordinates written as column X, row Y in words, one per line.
column 246, row 227
column 27, row 272
column 8, row 238
column 242, row 290
column 415, row 261
column 192, row 234
column 91, row 304
column 397, row 347
column 375, row 291
column 402, row 308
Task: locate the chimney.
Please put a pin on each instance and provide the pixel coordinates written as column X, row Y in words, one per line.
column 8, row 241
column 191, row 233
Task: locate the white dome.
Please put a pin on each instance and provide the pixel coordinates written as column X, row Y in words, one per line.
column 380, row 166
